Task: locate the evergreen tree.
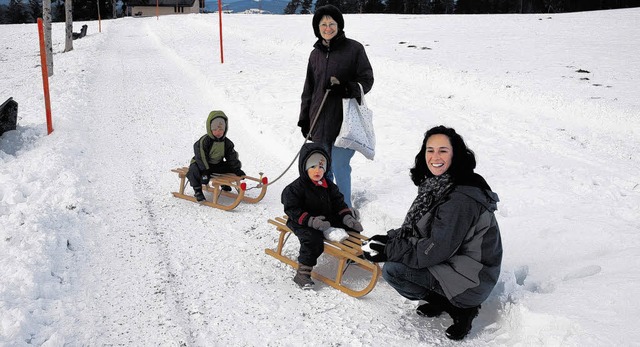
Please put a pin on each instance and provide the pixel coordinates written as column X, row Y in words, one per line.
column 374, row 6
column 35, row 9
column 306, row 6
column 16, row 12
column 554, row 5
column 57, row 11
column 462, row 6
column 320, row 3
column 512, row 6
column 441, row 6
column 3, row 11
column 349, row 6
column 88, row 10
column 292, row 7
column 394, row 6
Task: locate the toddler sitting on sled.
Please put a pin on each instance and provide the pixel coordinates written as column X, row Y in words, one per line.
column 213, row 153
column 314, row 205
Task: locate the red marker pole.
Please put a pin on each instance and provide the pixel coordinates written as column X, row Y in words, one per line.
column 220, row 20
column 45, row 76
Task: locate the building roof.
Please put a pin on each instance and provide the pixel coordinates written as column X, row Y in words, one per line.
column 162, row 3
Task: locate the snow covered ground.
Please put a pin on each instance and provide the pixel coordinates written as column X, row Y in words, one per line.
column 94, row 250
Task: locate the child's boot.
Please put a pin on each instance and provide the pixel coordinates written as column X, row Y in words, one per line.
column 198, row 194
column 462, row 318
column 303, row 276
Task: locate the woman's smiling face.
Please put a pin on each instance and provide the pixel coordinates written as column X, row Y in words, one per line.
column 439, row 154
column 328, row 28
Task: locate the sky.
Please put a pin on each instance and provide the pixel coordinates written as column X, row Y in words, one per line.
column 95, row 250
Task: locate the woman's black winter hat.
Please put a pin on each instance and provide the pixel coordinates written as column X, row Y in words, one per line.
column 327, row 10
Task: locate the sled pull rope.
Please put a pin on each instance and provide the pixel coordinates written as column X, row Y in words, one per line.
column 326, row 93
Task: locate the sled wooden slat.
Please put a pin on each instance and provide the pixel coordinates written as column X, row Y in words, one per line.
column 237, row 193
column 348, row 251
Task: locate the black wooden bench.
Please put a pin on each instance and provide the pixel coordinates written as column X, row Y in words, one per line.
column 81, row 34
column 8, row 115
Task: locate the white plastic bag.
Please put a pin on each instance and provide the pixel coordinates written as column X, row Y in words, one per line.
column 356, row 131
column 335, row 234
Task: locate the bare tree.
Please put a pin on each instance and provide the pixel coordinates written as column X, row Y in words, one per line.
column 68, row 25
column 46, row 18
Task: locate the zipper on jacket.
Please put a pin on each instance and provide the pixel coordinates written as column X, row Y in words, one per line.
column 326, row 63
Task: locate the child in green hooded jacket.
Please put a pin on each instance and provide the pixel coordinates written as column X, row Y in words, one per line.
column 213, row 153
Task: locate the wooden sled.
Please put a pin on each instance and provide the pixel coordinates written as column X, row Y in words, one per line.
column 237, row 193
column 347, row 252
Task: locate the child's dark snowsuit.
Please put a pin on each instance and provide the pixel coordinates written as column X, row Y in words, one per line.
column 213, row 155
column 303, row 199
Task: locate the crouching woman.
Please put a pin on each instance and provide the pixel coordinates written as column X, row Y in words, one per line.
column 448, row 250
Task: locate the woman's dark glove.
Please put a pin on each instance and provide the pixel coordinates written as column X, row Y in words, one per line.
column 374, row 251
column 337, row 88
column 304, row 128
column 205, row 179
column 240, row 173
column 380, row 238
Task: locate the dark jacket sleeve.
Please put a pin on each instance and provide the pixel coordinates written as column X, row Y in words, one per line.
column 304, row 121
column 231, row 156
column 363, row 75
column 200, row 150
column 337, row 200
column 292, row 199
column 451, row 222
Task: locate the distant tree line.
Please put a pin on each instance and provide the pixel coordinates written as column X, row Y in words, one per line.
column 28, row 11
column 540, row 6
column 460, row 6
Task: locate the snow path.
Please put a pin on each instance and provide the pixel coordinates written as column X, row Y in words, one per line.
column 176, row 281
column 98, row 252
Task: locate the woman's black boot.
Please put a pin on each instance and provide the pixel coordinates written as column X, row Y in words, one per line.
column 462, row 318
column 434, row 306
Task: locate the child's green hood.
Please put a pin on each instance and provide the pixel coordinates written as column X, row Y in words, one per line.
column 213, row 115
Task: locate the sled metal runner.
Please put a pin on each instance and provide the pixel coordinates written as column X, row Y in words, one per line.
column 235, row 196
column 347, row 252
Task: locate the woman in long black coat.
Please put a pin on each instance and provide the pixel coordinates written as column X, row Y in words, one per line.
column 333, row 55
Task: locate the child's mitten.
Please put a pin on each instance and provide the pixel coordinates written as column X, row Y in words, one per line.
column 319, row 223
column 352, row 223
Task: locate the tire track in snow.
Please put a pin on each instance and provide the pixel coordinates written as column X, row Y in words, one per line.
column 150, row 303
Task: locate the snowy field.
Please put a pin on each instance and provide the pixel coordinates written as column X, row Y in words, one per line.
column 94, row 249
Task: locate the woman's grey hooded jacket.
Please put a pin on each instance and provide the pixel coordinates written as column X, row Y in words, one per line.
column 458, row 240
